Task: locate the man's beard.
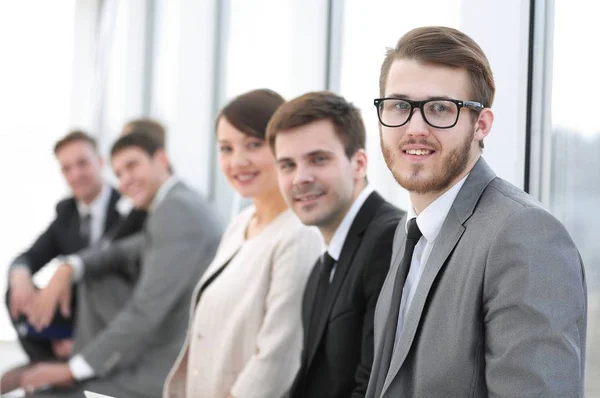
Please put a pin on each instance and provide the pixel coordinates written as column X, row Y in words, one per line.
column 452, row 165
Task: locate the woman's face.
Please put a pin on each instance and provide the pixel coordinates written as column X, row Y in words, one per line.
column 246, row 161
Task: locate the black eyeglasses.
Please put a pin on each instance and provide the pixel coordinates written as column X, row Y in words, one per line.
column 438, row 113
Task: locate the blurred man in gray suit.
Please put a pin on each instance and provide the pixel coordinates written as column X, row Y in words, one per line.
column 133, row 354
column 486, row 292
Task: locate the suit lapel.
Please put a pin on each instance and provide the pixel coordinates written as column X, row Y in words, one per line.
column 452, row 230
column 227, row 250
column 308, row 303
column 353, row 239
column 451, row 233
column 112, row 215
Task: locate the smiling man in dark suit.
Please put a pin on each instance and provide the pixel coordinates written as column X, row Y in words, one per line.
column 319, row 140
column 86, row 218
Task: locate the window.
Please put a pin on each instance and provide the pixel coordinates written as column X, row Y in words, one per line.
column 37, row 53
column 276, row 44
column 368, row 29
column 566, row 134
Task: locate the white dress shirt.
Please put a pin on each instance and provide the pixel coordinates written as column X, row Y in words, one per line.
column 97, row 210
column 79, row 367
column 339, row 237
column 430, row 223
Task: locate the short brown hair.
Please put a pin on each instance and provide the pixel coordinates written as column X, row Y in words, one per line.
column 149, row 126
column 74, row 136
column 137, row 139
column 320, row 105
column 440, row 45
column 250, row 112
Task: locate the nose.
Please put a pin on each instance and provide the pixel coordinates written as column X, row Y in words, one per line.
column 303, row 175
column 239, row 158
column 417, row 126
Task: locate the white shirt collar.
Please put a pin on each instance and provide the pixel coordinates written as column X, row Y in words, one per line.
column 164, row 189
column 98, row 205
column 432, row 218
column 337, row 242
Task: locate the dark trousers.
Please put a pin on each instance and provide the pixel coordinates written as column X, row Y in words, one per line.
column 37, row 345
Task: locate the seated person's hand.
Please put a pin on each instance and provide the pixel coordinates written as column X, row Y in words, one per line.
column 45, row 375
column 22, row 293
column 58, row 293
column 62, row 348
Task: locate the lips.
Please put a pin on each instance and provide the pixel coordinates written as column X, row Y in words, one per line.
column 308, row 197
column 417, row 151
column 245, row 177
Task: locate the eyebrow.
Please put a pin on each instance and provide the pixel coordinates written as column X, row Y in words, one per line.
column 306, row 155
column 431, row 97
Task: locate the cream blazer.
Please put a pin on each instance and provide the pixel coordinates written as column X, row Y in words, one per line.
column 245, row 333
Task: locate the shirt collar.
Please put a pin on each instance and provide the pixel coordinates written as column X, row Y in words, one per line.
column 162, row 192
column 432, row 218
column 337, row 242
column 98, row 205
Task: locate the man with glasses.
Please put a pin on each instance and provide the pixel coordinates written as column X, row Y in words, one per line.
column 486, row 292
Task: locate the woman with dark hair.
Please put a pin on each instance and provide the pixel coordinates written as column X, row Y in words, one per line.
column 245, row 333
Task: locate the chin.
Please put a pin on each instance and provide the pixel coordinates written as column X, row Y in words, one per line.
column 308, row 217
column 246, row 193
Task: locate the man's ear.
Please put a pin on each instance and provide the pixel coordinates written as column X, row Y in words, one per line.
column 483, row 125
column 161, row 156
column 361, row 162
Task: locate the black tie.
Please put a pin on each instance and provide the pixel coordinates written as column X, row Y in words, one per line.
column 85, row 228
column 326, row 263
column 412, row 237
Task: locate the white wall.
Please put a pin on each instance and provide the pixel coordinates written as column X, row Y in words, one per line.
column 501, row 28
column 35, row 79
column 371, row 27
column 280, row 44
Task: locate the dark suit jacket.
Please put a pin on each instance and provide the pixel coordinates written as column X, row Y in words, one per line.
column 62, row 235
column 337, row 361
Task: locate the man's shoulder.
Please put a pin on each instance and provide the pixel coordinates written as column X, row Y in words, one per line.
column 382, row 225
column 502, row 195
column 385, row 217
column 187, row 209
column 66, row 206
column 183, row 197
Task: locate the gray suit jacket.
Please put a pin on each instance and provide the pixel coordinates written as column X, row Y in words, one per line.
column 138, row 347
column 500, row 309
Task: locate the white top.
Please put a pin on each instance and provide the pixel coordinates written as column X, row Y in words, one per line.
column 97, row 210
column 430, row 223
column 245, row 334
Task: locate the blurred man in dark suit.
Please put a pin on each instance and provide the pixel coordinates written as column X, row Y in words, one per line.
column 89, row 217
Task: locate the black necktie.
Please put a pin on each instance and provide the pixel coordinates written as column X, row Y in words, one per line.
column 412, row 237
column 326, row 263
column 85, row 228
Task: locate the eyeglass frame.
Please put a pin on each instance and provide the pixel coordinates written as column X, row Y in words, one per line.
column 472, row 105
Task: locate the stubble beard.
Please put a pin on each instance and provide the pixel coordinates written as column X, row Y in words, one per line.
column 439, row 179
